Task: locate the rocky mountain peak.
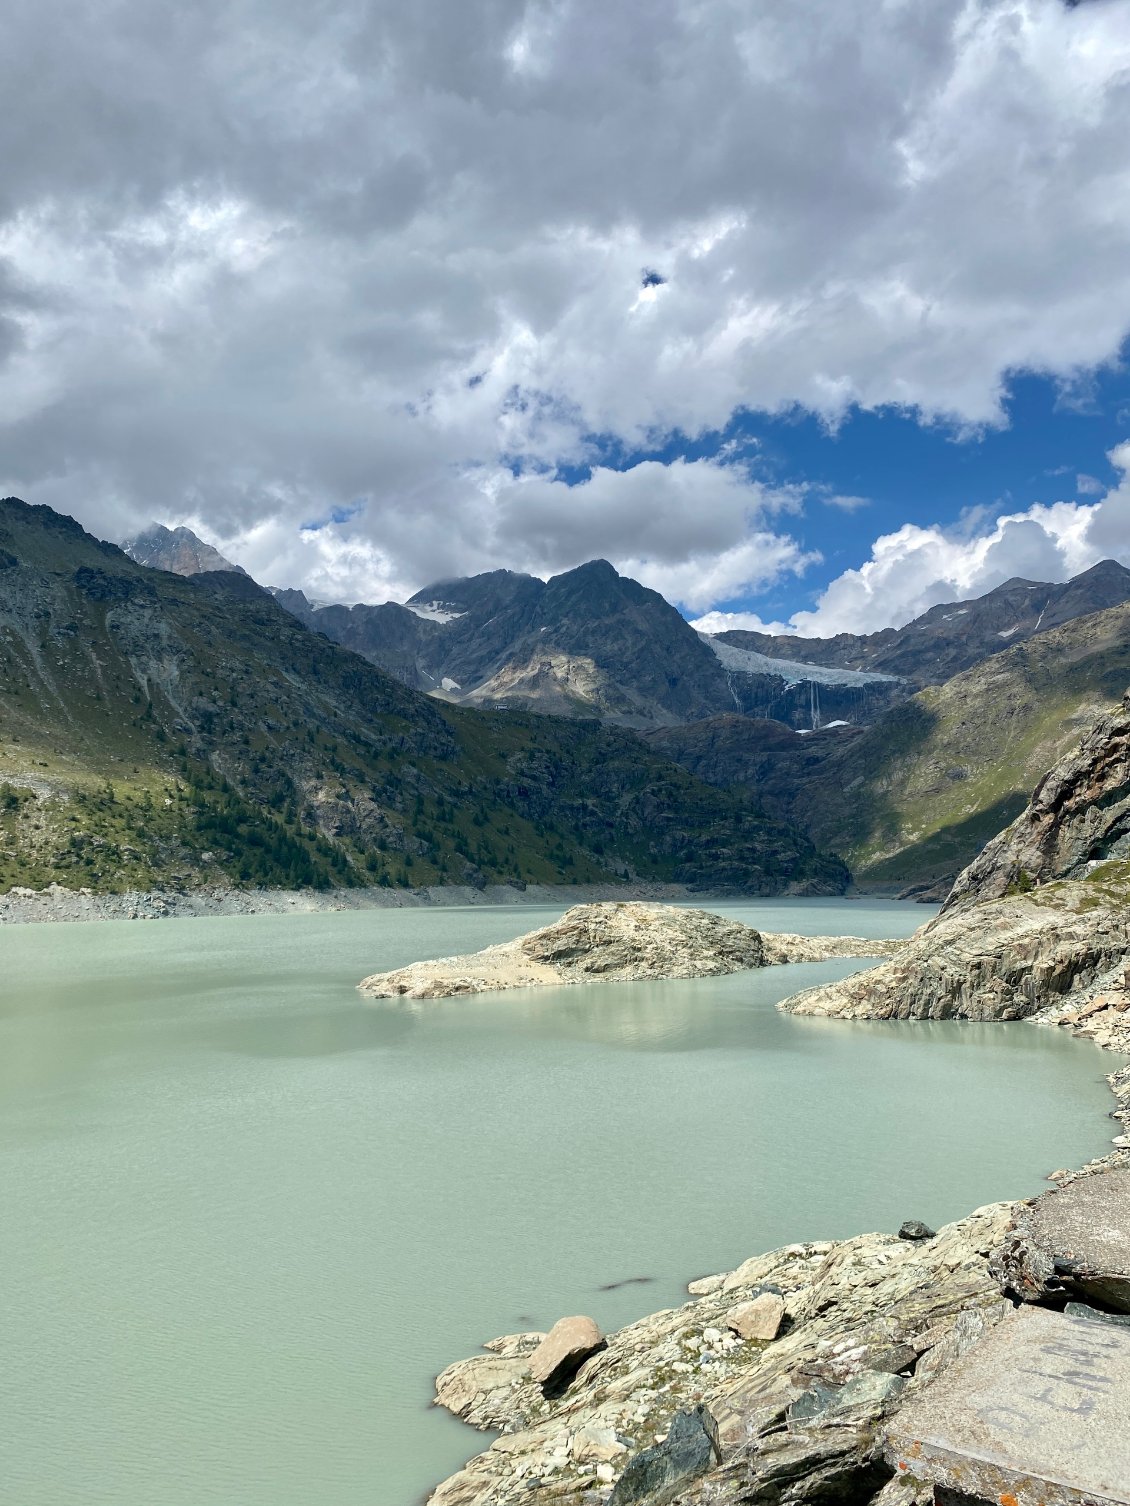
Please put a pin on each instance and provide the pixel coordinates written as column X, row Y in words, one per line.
column 178, row 550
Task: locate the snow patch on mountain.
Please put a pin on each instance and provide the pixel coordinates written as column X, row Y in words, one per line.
column 748, row 661
column 433, row 611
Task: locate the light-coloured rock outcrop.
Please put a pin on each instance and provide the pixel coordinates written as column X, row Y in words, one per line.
column 615, row 942
column 1005, row 960
column 1079, row 814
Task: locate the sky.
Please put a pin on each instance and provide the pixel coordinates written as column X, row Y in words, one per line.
column 808, row 315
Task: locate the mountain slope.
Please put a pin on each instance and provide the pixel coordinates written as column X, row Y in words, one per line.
column 586, row 643
column 157, row 729
column 913, row 799
column 177, row 550
column 955, row 635
column 1077, row 819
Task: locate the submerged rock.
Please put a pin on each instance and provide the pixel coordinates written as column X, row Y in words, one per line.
column 615, row 942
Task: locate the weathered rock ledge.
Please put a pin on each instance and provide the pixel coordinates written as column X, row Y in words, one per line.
column 863, row 1322
column 616, row 942
column 1005, row 960
column 803, row 1360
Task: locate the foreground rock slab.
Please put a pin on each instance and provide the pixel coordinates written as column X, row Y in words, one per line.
column 1037, row 1413
column 617, row 942
column 1075, row 1240
column 870, row 1321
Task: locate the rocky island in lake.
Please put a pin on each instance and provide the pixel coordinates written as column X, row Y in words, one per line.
column 615, row 942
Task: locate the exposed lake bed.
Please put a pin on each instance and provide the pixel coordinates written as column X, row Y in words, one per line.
column 250, row 1218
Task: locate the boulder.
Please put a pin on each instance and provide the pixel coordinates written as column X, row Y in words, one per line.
column 1075, row 1240
column 564, row 1350
column 658, row 1474
column 758, row 1319
column 914, row 1228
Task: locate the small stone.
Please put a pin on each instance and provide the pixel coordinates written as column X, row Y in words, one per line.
column 759, row 1319
column 605, row 1474
column 564, row 1349
column 914, row 1228
column 595, row 1444
column 706, row 1286
column 711, row 1335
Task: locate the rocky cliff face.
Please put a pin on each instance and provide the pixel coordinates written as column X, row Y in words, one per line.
column 1003, row 960
column 1079, row 815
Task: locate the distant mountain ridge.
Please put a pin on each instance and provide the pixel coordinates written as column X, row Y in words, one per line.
column 954, row 636
column 593, row 643
column 589, row 642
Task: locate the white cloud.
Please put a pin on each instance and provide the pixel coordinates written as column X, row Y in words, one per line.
column 260, row 262
column 917, row 567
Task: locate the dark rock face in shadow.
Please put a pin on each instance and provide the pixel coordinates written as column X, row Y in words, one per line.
column 657, row 1475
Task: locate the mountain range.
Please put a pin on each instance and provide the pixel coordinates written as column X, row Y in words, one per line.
column 158, row 728
column 591, row 642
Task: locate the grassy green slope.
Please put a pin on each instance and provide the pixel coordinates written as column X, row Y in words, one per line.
column 918, row 795
column 156, row 729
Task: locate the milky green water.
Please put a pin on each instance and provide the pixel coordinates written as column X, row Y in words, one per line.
column 246, row 1216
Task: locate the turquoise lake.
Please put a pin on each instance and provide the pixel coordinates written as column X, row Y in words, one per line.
column 247, row 1215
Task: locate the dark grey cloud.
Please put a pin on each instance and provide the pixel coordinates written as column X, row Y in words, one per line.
column 261, row 260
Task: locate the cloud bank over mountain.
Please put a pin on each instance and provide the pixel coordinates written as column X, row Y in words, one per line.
column 405, row 272
column 915, row 568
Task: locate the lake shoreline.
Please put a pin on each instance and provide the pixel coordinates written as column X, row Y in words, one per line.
column 932, row 1296
column 57, row 904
